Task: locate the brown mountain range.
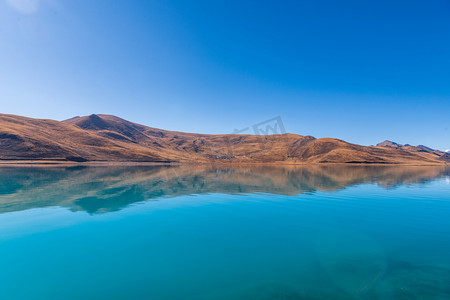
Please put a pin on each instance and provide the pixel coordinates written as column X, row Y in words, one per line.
column 420, row 150
column 106, row 138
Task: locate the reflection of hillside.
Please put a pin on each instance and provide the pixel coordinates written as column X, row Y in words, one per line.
column 103, row 189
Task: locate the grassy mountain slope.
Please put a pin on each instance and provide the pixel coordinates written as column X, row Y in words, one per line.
column 109, row 138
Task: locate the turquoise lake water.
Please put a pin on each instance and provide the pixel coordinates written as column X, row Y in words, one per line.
column 254, row 233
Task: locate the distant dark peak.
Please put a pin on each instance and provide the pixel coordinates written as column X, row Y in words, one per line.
column 425, row 148
column 389, row 143
column 395, row 145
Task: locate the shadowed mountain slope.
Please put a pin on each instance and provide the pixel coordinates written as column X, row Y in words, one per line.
column 112, row 139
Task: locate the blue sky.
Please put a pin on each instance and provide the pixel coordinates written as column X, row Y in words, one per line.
column 362, row 71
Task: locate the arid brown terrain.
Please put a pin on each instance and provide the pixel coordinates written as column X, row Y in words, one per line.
column 106, row 138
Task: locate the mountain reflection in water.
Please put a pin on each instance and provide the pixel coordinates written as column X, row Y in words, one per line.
column 106, row 189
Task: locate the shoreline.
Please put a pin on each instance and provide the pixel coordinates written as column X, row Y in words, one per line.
column 54, row 163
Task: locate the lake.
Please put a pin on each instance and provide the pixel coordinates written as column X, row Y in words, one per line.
column 205, row 232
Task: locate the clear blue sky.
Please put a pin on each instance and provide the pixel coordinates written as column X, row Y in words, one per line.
column 363, row 71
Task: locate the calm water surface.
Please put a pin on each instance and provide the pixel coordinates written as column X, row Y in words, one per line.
column 251, row 233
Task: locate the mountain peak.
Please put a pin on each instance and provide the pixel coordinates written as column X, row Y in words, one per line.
column 92, row 122
column 388, row 143
column 425, row 148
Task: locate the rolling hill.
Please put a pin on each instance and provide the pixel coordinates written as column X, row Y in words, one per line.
column 106, row 138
